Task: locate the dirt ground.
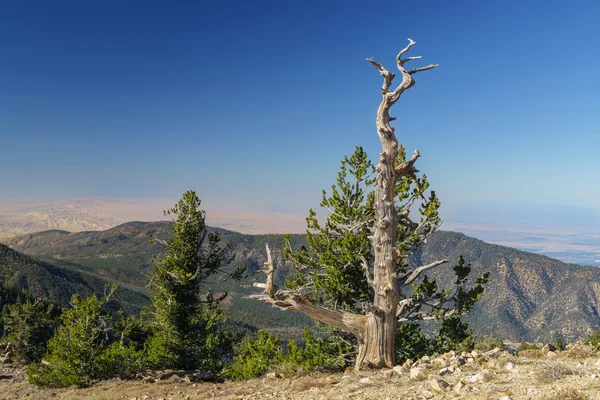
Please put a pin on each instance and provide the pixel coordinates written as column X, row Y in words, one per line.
column 570, row 375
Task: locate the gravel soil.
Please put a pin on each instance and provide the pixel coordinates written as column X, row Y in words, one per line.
column 568, row 375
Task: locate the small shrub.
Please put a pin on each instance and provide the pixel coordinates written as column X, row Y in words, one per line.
column 593, row 340
column 580, row 351
column 27, row 327
column 502, row 361
column 560, row 344
column 454, row 334
column 255, row 357
column 534, row 353
column 567, row 394
column 411, row 343
column 527, row 346
column 553, row 372
column 84, row 348
column 489, row 342
column 317, row 354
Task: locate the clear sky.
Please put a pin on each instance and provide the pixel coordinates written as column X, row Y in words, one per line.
column 253, row 104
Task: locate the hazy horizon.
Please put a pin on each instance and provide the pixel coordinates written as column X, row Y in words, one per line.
column 529, row 230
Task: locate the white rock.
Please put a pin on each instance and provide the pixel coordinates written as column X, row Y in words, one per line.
column 506, row 398
column 388, row 373
column 483, row 375
column 441, row 362
column 418, row 374
column 398, row 370
column 437, row 384
column 493, row 353
column 427, row 394
column 365, row 381
column 458, row 387
column 509, row 366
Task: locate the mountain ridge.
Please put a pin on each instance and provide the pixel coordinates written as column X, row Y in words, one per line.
column 529, row 297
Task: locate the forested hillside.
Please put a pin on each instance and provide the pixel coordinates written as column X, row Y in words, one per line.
column 56, row 284
column 528, row 297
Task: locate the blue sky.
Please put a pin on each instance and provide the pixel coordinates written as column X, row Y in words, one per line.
column 253, row 104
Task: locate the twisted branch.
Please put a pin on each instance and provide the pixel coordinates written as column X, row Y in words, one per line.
column 408, row 278
column 288, row 300
column 407, row 167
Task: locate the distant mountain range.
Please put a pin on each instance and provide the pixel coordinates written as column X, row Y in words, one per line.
column 68, row 215
column 529, row 297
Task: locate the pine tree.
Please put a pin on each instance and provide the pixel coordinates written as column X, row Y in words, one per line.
column 356, row 269
column 187, row 322
column 332, row 269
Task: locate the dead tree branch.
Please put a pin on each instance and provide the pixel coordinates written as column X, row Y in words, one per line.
column 411, row 276
column 288, row 300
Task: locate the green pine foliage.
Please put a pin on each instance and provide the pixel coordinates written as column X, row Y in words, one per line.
column 593, row 340
column 411, row 343
column 323, row 353
column 454, row 334
column 255, row 357
column 86, row 347
column 524, row 346
column 330, row 269
column 187, row 327
column 489, row 342
column 28, row 326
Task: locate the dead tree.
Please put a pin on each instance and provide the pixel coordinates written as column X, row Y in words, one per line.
column 376, row 328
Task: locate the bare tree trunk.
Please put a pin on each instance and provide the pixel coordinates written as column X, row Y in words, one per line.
column 376, row 329
column 377, row 349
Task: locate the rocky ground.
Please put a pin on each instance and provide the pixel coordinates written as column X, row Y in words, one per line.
column 573, row 374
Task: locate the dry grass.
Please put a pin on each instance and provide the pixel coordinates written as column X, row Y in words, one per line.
column 567, row 394
column 578, row 352
column 502, row 361
column 532, row 354
column 309, row 383
column 552, row 372
column 535, row 379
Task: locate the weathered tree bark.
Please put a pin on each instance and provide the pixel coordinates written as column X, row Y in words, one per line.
column 376, row 329
column 377, row 350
